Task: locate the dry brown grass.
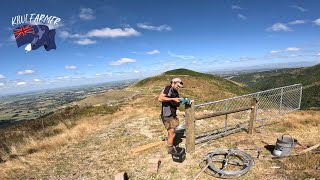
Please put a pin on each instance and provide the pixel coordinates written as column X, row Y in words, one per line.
column 32, row 151
column 103, row 150
column 301, row 167
column 110, row 97
column 97, row 147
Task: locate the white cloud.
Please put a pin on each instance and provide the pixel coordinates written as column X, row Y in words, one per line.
column 21, row 83
column 299, row 8
column 86, row 14
column 112, row 33
column 317, row 22
column 169, row 64
column 279, row 27
column 122, row 61
column 62, row 77
column 163, row 27
column 275, row 51
column 318, row 54
column 26, row 72
column 1, row 84
column 64, row 34
column 242, row 17
column 70, row 67
column 2, row 76
column 98, row 74
column 297, row 22
column 235, row 7
column 180, row 56
column 136, row 71
column 36, row 80
column 292, row 49
column 246, row 58
column 85, row 41
column 289, row 49
column 153, row 52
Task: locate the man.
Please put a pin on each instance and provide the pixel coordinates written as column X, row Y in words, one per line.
column 170, row 101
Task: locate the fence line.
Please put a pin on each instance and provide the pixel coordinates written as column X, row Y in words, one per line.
column 238, row 110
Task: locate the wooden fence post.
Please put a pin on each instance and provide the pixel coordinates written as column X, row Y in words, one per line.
column 252, row 114
column 190, row 127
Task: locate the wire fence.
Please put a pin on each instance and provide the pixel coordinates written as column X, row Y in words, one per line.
column 271, row 103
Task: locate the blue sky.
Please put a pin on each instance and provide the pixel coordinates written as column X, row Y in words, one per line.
column 99, row 41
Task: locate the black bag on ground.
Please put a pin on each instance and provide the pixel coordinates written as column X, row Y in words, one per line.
column 179, row 154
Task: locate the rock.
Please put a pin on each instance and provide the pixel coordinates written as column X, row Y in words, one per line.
column 154, row 164
column 121, row 176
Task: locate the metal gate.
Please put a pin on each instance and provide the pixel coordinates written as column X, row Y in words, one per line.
column 271, row 103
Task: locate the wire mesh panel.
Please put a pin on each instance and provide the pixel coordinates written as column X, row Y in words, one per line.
column 279, row 101
column 271, row 103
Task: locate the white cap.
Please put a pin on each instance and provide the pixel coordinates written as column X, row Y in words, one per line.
column 177, row 80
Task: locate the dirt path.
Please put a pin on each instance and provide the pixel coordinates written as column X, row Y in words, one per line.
column 101, row 154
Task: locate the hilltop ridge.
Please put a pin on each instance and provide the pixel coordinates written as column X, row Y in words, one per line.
column 201, row 86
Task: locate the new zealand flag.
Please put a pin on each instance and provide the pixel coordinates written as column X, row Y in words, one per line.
column 37, row 36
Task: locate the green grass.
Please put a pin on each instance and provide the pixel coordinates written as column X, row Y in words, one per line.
column 178, row 72
column 204, row 78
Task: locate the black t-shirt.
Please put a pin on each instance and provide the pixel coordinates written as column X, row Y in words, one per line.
column 170, row 108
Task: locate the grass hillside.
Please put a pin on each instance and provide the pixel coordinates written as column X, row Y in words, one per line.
column 309, row 77
column 199, row 86
column 93, row 139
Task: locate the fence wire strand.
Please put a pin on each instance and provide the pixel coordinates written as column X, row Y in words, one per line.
column 271, row 103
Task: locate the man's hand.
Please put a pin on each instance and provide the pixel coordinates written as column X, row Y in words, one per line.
column 177, row 100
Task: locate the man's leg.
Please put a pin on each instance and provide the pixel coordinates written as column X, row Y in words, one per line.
column 170, row 124
column 171, row 135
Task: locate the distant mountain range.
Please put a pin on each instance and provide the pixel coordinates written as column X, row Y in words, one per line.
column 309, row 77
column 263, row 67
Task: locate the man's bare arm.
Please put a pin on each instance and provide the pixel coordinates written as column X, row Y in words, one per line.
column 163, row 98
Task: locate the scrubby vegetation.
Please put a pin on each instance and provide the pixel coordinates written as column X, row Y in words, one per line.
column 309, row 77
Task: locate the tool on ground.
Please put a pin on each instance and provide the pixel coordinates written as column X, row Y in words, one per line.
column 303, row 146
column 284, row 145
column 301, row 152
column 148, row 146
column 228, row 163
column 204, row 168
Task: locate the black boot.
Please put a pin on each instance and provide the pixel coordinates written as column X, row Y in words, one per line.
column 170, row 149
